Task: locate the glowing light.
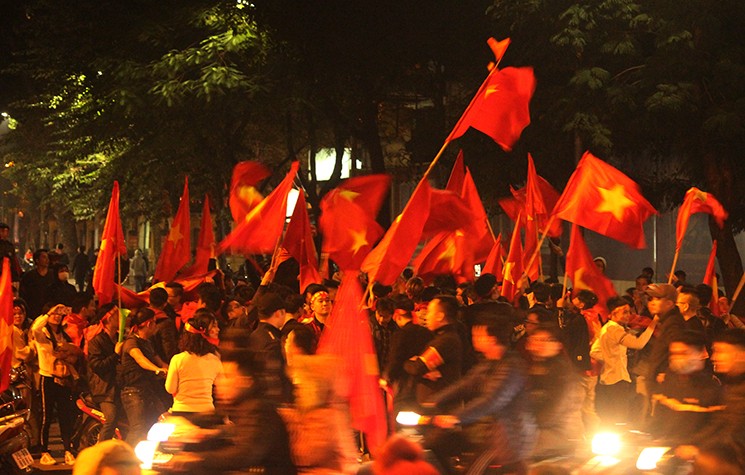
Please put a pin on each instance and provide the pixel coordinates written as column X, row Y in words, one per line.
column 145, row 451
column 650, row 457
column 606, row 443
column 408, row 418
column 160, row 432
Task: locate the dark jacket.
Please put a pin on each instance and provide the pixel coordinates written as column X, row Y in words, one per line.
column 439, row 366
column 103, row 362
column 495, row 406
column 265, row 341
column 165, row 339
column 408, row 341
column 727, row 428
column 576, row 340
column 655, row 362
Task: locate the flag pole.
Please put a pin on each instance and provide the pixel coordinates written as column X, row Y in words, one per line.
column 122, row 321
column 540, row 243
column 737, row 291
column 675, row 263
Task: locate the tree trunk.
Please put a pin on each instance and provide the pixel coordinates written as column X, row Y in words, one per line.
column 370, row 136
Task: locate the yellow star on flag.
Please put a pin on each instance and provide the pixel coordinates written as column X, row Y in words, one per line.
column 614, row 201
column 103, row 245
column 579, row 282
column 700, row 195
column 449, row 252
column 359, row 238
column 348, row 195
column 175, row 235
column 491, row 90
column 508, row 266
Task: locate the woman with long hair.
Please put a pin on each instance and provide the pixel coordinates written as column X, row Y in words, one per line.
column 192, row 373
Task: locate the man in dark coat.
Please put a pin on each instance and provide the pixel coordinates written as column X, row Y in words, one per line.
column 103, row 358
column 266, row 343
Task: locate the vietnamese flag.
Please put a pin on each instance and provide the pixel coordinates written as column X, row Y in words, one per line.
column 112, row 246
column 697, row 201
column 500, row 107
column 446, row 253
column 451, row 213
column 205, row 243
column 495, row 261
column 243, row 193
column 299, row 244
column 710, row 279
column 392, row 254
column 262, row 227
column 176, row 252
column 347, row 220
column 583, row 271
column 6, row 325
column 601, row 198
column 513, row 267
column 348, row 337
column 516, row 203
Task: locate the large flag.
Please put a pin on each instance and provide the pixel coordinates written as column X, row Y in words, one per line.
column 205, row 243
column 112, row 247
column 535, row 209
column 514, row 204
column 601, row 198
column 261, row 229
column 392, row 254
column 583, row 271
column 176, row 251
column 697, row 201
column 299, row 244
column 446, row 253
column 500, row 107
column 347, row 220
column 6, row 325
column 347, row 336
column 450, row 212
column 495, row 260
column 243, row 195
column 131, row 299
column 710, row 279
column 513, row 267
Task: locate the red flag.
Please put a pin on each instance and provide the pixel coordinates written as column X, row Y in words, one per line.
column 514, row 204
column 500, row 107
column 513, row 267
column 347, row 336
column 457, row 175
column 243, row 194
column 112, row 246
column 498, row 47
column 259, row 232
column 347, row 220
column 131, row 299
column 176, row 252
column 535, row 208
column 451, row 213
column 392, row 254
column 495, row 260
column 583, row 271
column 710, row 279
column 601, row 198
column 446, row 253
column 531, row 248
column 299, row 244
column 205, row 243
column 6, row 325
column 697, row 201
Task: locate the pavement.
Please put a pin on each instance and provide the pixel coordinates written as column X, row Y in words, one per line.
column 57, row 451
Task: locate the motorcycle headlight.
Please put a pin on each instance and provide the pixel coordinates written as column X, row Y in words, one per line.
column 145, row 451
column 606, row 443
column 650, row 457
column 408, row 418
column 160, row 432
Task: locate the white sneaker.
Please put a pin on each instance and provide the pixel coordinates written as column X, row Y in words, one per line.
column 69, row 458
column 47, row 459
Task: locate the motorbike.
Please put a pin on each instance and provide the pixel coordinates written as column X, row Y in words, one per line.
column 89, row 423
column 14, row 440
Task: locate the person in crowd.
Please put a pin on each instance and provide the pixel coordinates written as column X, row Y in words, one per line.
column 258, row 442
column 35, row 284
column 730, row 320
column 615, row 390
column 83, row 310
column 23, row 351
column 440, row 364
column 192, row 373
column 600, row 263
column 679, row 278
column 104, row 353
column 689, row 305
column 175, row 293
column 60, row 256
column 555, row 394
column 495, row 419
column 407, row 342
column 383, row 328
column 139, row 270
column 237, row 315
column 209, row 296
column 293, row 313
column 61, row 290
column 320, row 309
column 414, row 289
column 165, row 337
column 534, row 317
column 689, row 395
column 266, row 343
column 485, row 287
column 57, row 359
column 142, row 376
column 7, row 249
column 726, row 429
column 465, row 293
column 81, row 265
column 109, row 457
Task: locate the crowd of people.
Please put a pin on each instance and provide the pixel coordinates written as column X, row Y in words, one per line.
column 525, row 381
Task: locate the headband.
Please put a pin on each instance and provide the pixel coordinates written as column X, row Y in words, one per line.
column 318, row 295
column 191, row 329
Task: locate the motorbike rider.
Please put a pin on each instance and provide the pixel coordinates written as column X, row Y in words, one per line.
column 494, row 416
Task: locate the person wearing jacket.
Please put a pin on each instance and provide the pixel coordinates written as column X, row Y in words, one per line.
column 103, row 358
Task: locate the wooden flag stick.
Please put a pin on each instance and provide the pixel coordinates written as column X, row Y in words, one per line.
column 540, row 243
column 675, row 263
column 120, row 314
column 737, row 291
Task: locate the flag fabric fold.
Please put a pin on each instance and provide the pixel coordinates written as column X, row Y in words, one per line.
column 697, row 201
column 6, row 325
column 112, row 247
column 176, row 252
column 495, row 261
column 513, row 267
column 446, row 253
column 500, row 107
column 261, row 229
column 205, row 243
column 348, row 337
column 584, row 273
column 243, row 193
column 298, row 242
column 710, row 279
column 347, row 220
column 601, row 198
column 514, row 204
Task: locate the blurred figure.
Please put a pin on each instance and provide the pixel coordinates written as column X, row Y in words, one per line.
column 81, row 265
column 138, row 267
column 400, row 456
column 111, row 457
